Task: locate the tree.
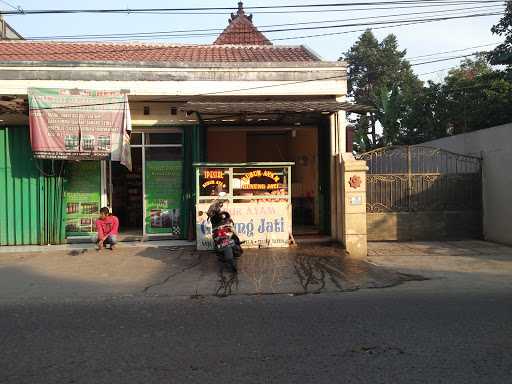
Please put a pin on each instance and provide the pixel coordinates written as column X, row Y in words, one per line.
column 472, row 96
column 478, row 96
column 379, row 76
column 426, row 115
column 502, row 54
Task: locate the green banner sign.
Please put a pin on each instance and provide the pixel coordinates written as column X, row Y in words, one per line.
column 83, row 198
column 163, row 197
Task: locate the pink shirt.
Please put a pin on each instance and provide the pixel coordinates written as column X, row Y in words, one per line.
column 107, row 226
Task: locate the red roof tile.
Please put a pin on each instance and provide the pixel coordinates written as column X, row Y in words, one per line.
column 241, row 30
column 23, row 50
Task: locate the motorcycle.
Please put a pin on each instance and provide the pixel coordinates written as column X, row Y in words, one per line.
column 227, row 243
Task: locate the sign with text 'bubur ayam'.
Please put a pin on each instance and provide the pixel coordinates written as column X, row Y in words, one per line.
column 265, row 225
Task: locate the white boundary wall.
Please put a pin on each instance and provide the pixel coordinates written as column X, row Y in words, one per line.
column 494, row 146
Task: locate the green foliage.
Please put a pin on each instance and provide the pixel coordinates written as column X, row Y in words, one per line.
column 478, row 96
column 379, row 76
column 502, row 54
column 472, row 96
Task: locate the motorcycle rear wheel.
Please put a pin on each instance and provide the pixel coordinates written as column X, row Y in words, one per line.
column 229, row 258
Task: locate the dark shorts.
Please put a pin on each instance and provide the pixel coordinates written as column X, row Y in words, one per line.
column 110, row 239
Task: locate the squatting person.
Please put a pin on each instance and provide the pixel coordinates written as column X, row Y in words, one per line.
column 107, row 227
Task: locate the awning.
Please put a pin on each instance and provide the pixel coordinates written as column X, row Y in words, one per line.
column 273, row 107
column 13, row 104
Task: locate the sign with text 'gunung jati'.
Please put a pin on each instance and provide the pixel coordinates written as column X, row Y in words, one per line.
column 79, row 124
column 260, row 225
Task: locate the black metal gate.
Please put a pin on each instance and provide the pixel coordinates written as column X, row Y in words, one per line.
column 422, row 193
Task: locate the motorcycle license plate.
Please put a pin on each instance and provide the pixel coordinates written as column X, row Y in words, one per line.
column 225, row 243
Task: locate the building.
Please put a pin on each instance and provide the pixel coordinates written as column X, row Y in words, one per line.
column 241, row 99
column 7, row 32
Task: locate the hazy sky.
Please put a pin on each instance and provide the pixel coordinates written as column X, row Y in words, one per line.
column 419, row 40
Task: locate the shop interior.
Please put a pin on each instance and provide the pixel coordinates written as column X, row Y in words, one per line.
column 127, row 195
column 258, row 144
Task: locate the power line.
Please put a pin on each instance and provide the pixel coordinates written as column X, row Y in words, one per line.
column 417, row 21
column 9, row 5
column 442, row 5
column 361, row 30
column 291, row 6
column 443, row 59
column 268, row 86
column 170, row 33
column 381, row 22
column 413, row 6
column 438, row 70
column 340, row 77
column 452, row 51
column 305, row 81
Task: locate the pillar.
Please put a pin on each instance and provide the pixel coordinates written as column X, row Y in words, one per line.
column 353, row 212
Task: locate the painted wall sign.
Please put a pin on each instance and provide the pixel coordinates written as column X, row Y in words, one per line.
column 163, row 197
column 82, row 195
column 78, row 124
column 258, row 224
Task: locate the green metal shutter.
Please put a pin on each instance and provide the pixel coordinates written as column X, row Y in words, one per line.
column 31, row 204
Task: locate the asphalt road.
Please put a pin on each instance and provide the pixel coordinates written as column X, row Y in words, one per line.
column 396, row 335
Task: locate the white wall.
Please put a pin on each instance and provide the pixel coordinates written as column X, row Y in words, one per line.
column 494, row 146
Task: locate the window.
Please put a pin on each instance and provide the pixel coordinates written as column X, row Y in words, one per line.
column 158, row 138
column 136, row 138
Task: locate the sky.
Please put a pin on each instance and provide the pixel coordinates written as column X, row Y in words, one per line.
column 418, row 40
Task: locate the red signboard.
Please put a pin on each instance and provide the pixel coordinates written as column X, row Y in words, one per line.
column 79, row 124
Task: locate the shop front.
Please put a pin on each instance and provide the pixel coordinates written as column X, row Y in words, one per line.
column 225, row 102
column 278, row 131
column 142, row 173
column 148, row 199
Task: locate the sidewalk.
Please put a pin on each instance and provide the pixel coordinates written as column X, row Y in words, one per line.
column 159, row 269
column 182, row 271
column 80, row 246
column 469, row 264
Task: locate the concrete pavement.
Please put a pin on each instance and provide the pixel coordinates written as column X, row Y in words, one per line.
column 448, row 264
column 150, row 315
column 182, row 271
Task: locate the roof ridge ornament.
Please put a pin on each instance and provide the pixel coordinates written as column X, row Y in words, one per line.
column 239, row 12
column 241, row 30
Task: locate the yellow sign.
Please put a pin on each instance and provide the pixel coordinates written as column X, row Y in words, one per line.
column 213, row 174
column 246, row 179
column 213, row 182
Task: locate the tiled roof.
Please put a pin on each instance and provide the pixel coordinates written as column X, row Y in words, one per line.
column 23, row 50
column 241, row 30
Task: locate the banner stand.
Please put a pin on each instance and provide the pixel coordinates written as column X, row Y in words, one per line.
column 257, row 196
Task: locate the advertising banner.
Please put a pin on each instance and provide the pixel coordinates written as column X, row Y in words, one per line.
column 78, row 124
column 260, row 225
column 163, row 197
column 82, row 195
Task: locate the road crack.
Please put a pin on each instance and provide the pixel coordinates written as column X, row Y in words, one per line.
column 170, row 276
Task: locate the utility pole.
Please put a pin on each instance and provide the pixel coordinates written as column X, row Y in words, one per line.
column 2, row 28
